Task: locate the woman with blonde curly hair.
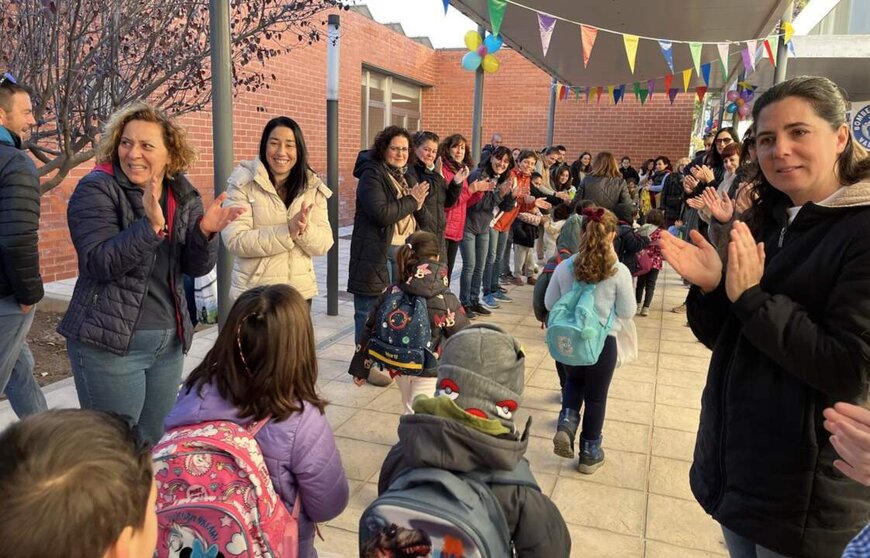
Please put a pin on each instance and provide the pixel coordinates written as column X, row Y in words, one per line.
column 595, row 263
column 137, row 225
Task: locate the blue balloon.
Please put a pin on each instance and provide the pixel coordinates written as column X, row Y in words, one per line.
column 493, row 43
column 471, row 61
column 731, row 108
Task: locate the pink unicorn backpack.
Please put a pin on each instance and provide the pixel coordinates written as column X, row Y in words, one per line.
column 215, row 498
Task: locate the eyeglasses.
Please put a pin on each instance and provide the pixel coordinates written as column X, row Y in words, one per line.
column 750, row 142
column 398, row 149
column 8, row 77
column 724, row 141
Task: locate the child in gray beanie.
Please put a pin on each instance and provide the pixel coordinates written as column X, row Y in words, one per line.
column 469, row 426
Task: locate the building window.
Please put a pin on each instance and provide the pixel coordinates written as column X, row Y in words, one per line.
column 387, row 100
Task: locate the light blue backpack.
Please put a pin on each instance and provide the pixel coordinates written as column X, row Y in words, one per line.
column 575, row 334
column 434, row 512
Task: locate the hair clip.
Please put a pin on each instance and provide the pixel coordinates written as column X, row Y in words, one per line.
column 408, row 244
column 8, row 77
column 239, row 340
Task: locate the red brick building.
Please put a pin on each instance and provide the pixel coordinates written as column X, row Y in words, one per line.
column 387, row 77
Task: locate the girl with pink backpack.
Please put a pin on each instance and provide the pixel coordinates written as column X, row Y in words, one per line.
column 249, row 431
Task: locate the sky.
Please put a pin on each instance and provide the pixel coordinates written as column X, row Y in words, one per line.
column 423, row 18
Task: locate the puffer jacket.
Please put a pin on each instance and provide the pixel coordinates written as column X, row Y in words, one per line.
column 19, row 222
column 783, row 352
column 265, row 252
column 116, row 246
column 480, row 215
column 604, row 191
column 443, row 194
column 536, row 526
column 446, row 315
column 300, row 454
column 378, row 209
column 456, row 214
column 627, row 244
column 673, row 196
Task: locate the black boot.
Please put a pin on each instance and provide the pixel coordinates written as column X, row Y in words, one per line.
column 566, row 431
column 591, row 456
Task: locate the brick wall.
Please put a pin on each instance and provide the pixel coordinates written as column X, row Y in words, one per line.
column 515, row 103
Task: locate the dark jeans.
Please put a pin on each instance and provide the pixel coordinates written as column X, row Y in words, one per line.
column 16, row 360
column 143, row 384
column 494, row 258
column 506, row 255
column 588, row 385
column 646, row 282
column 362, row 305
column 474, row 251
column 741, row 547
column 560, row 370
column 452, row 249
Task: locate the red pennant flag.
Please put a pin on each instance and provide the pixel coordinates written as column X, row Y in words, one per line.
column 587, row 36
column 769, row 51
column 668, row 79
column 599, row 91
column 701, row 91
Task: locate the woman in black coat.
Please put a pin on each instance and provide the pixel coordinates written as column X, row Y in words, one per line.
column 442, row 195
column 389, row 208
column 787, row 322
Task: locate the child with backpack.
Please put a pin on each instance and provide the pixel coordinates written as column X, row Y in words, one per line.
column 248, row 432
column 80, row 482
column 457, row 482
column 628, row 241
column 646, row 282
column 585, row 293
column 408, row 324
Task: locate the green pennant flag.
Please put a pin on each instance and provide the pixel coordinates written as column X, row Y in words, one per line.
column 643, row 95
column 695, row 49
column 496, row 14
column 636, row 90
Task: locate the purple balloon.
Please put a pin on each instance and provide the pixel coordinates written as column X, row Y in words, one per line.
column 746, row 94
column 745, row 110
column 732, row 96
column 482, row 51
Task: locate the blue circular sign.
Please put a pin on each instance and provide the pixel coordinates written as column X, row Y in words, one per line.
column 861, row 126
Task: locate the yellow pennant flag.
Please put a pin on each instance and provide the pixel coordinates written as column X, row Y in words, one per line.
column 687, row 77
column 788, row 29
column 630, row 49
column 610, row 92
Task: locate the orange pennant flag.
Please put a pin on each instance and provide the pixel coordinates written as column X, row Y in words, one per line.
column 587, row 35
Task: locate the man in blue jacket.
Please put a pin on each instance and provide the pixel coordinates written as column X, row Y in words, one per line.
column 20, row 281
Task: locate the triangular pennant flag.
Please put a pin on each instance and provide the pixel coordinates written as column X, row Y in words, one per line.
column 577, row 91
column 564, row 93
column 643, row 95
column 588, row 93
column 650, row 85
column 687, row 77
column 618, row 93
column 610, row 90
column 672, row 94
column 630, row 42
column 748, row 65
column 695, row 49
column 587, row 36
column 771, row 54
column 701, row 91
column 446, row 3
column 599, row 91
column 705, row 73
column 496, row 14
column 668, row 80
column 668, row 52
column 751, row 47
column 723, row 58
column 791, row 49
column 788, row 29
column 558, row 87
column 636, row 90
column 546, row 24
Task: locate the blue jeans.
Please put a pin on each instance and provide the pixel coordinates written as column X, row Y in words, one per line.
column 494, row 259
column 362, row 305
column 142, row 385
column 16, row 360
column 474, row 248
column 741, row 547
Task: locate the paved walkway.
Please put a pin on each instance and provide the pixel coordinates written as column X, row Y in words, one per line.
column 637, row 505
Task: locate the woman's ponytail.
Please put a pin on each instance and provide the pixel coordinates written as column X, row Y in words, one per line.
column 596, row 259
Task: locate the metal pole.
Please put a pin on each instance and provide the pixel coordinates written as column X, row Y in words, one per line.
column 782, row 48
column 722, row 102
column 551, row 120
column 222, row 131
column 477, row 114
column 332, row 67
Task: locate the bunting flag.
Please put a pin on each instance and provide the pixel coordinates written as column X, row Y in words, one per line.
column 558, row 87
column 788, row 30
column 705, row 73
column 650, row 85
column 610, row 90
column 577, row 91
column 618, row 93
column 752, row 48
column 599, row 91
column 668, row 80
column 723, row 58
column 748, row 64
column 667, row 51
column 701, row 91
column 695, row 49
column 771, row 54
column 636, row 90
column 672, row 94
column 546, row 24
column 563, row 94
column 643, row 95
column 687, row 77
column 446, row 3
column 496, row 14
column 791, row 49
column 587, row 36
column 630, row 42
column 588, row 94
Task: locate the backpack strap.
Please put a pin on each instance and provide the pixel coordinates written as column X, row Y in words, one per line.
column 521, row 475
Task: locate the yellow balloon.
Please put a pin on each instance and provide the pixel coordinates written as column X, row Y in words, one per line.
column 473, row 40
column 490, row 63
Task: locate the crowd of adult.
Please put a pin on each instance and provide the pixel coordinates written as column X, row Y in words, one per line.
column 768, row 231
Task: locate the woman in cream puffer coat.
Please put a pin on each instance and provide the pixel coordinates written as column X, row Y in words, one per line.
column 278, row 237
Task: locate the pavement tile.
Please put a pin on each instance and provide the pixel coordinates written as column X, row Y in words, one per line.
column 682, row 523
column 619, row 510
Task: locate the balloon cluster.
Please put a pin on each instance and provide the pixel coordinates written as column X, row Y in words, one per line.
column 481, row 52
column 739, row 102
column 712, row 124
